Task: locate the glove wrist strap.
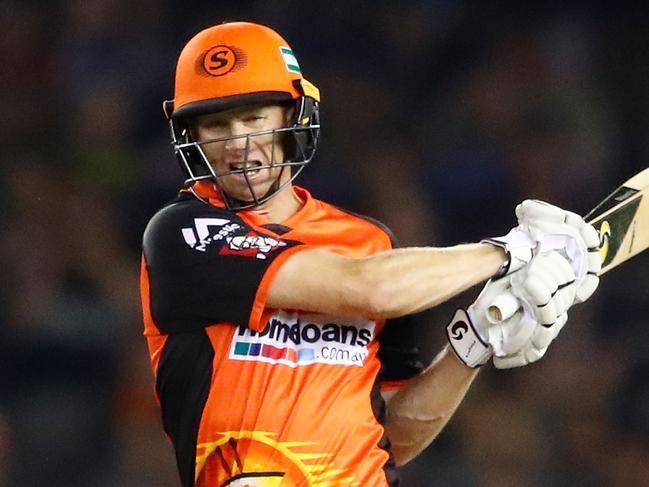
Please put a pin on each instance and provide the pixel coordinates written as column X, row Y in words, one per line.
column 519, row 245
column 466, row 341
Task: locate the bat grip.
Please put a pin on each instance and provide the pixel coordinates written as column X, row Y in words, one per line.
column 502, row 307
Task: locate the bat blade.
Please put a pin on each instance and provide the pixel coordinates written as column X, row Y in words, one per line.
column 622, row 221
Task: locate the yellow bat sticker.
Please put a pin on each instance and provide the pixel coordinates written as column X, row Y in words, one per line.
column 604, row 237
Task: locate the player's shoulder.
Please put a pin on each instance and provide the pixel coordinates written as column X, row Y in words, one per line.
column 361, row 221
column 181, row 212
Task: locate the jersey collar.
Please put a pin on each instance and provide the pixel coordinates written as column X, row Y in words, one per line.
column 207, row 191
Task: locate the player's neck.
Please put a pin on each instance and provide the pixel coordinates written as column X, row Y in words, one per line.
column 281, row 206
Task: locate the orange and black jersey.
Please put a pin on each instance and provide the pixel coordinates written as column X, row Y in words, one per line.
column 257, row 396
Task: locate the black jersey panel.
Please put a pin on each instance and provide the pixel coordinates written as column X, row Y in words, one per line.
column 379, row 410
column 205, row 265
column 398, row 352
column 182, row 385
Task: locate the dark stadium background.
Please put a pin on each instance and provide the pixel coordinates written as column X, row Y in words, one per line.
column 439, row 116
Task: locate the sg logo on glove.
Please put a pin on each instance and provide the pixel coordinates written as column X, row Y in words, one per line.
column 458, row 330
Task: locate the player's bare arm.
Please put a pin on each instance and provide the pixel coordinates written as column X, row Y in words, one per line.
column 385, row 285
column 420, row 410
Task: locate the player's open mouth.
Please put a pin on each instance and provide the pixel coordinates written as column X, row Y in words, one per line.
column 238, row 167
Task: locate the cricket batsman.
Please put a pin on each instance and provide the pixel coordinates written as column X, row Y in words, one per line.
column 274, row 319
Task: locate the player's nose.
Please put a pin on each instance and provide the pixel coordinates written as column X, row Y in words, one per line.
column 238, row 137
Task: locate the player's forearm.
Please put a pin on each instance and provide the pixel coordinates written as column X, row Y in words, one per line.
column 386, row 285
column 420, row 410
column 408, row 280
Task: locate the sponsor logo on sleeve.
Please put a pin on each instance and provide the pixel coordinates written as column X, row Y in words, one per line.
column 230, row 236
column 251, row 245
column 295, row 339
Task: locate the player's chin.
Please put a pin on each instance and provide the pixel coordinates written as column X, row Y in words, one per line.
column 246, row 191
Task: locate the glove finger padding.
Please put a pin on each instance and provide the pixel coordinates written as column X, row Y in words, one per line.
column 546, row 290
column 510, row 361
column 558, row 229
column 534, row 210
column 533, row 350
column 558, row 267
column 544, row 335
column 521, row 358
column 548, row 285
column 586, row 288
column 589, row 234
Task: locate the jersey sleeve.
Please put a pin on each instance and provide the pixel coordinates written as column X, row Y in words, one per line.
column 398, row 352
column 205, row 265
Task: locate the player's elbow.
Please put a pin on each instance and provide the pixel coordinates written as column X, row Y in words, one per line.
column 411, row 434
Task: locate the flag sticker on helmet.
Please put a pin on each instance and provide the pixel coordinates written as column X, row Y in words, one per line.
column 290, row 60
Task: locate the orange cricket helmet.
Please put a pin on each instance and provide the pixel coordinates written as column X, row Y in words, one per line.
column 235, row 64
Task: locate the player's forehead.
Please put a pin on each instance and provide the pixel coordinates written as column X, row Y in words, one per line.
column 260, row 109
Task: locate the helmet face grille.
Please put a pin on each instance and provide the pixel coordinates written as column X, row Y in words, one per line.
column 238, row 64
column 299, row 141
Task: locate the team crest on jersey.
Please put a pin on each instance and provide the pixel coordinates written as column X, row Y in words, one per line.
column 229, row 235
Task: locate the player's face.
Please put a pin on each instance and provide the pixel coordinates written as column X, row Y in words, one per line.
column 240, row 150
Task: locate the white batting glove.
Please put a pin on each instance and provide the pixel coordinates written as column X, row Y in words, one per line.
column 567, row 232
column 546, row 289
column 469, row 332
column 543, row 227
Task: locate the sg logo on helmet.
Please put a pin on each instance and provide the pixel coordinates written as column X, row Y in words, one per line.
column 220, row 60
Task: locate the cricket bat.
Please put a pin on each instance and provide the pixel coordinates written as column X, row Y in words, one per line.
column 622, row 220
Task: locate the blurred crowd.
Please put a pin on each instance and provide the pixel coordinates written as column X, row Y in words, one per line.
column 438, row 117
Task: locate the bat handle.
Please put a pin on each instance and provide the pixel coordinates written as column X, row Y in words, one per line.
column 502, row 307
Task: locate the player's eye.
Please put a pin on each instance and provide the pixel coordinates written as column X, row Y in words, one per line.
column 215, row 124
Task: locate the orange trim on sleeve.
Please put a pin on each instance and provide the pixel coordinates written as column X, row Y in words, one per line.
column 393, row 385
column 150, row 327
column 259, row 315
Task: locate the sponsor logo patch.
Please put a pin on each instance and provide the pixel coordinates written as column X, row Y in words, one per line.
column 207, row 231
column 302, row 339
column 251, row 245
